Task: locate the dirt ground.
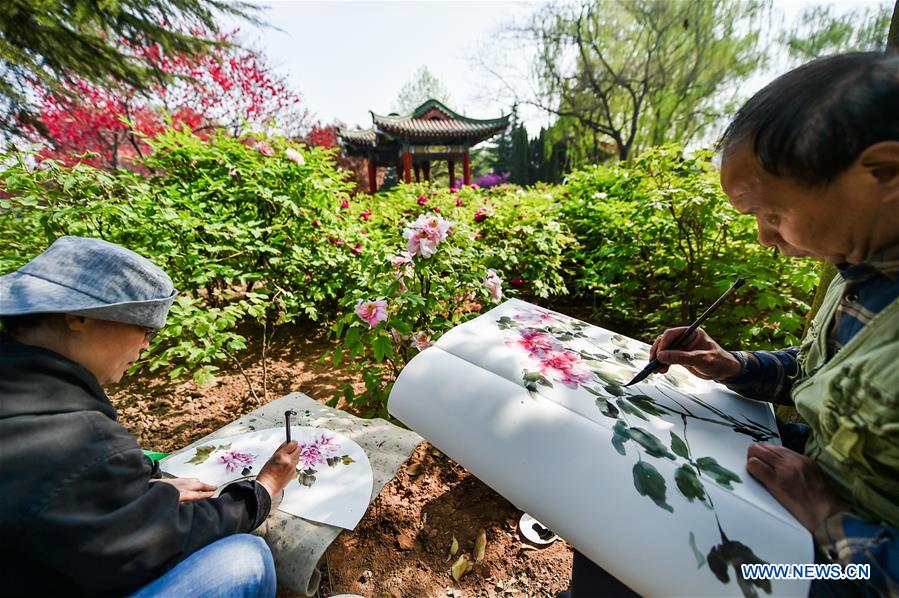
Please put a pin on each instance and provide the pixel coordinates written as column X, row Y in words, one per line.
column 401, row 547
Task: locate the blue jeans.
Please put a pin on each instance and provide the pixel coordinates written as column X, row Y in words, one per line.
column 237, row 566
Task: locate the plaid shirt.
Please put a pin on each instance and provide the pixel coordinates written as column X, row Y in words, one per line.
column 769, row 375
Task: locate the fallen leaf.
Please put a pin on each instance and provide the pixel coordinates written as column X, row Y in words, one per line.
column 454, row 547
column 480, row 546
column 414, row 469
column 461, row 567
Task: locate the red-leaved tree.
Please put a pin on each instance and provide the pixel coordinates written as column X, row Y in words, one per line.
column 231, row 88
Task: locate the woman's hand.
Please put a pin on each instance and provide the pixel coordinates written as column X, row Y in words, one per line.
column 699, row 353
column 281, row 468
column 189, row 488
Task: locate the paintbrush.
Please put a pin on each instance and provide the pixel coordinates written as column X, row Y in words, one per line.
column 654, row 364
column 287, row 415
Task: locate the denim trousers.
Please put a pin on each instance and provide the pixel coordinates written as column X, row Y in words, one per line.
column 239, row 566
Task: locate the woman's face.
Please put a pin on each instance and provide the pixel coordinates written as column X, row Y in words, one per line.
column 107, row 349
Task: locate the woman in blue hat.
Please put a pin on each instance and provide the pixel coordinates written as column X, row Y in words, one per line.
column 81, row 512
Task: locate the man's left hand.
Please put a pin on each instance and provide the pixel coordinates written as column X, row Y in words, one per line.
column 796, row 481
column 189, row 488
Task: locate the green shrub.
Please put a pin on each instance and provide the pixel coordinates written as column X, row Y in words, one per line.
column 658, row 242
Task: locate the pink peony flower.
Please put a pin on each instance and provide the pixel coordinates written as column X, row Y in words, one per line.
column 401, row 260
column 365, row 215
column 372, row 312
column 494, row 285
column 422, row 200
column 421, row 340
column 357, row 249
column 453, row 190
column 344, row 204
column 459, row 202
column 437, row 209
column 481, row 215
column 264, row 148
column 426, row 233
column 315, row 222
column 237, row 461
column 295, row 156
column 473, row 186
column 518, row 282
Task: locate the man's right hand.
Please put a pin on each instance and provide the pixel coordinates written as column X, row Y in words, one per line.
column 699, row 353
column 281, row 468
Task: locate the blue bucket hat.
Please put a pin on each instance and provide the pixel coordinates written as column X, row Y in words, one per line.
column 89, row 277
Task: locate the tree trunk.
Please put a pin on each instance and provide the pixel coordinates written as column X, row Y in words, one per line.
column 893, row 35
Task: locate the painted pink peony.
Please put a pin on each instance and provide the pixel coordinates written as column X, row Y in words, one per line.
column 494, row 285
column 237, row 461
column 372, row 312
column 315, row 453
column 425, row 233
column 565, row 367
column 537, row 344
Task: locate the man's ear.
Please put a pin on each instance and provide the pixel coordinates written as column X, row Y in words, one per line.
column 881, row 161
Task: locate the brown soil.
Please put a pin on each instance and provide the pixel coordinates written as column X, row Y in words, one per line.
column 401, row 547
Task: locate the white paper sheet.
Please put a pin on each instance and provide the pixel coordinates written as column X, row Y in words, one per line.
column 338, row 476
column 551, row 453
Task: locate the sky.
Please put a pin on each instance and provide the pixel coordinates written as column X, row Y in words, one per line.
column 346, row 58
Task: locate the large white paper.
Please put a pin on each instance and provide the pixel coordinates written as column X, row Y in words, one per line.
column 334, row 478
column 530, row 401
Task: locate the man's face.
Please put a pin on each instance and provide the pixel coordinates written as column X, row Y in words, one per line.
column 833, row 224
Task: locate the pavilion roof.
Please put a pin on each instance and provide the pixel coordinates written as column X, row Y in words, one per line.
column 434, row 119
column 431, row 122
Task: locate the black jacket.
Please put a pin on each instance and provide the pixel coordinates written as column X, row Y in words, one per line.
column 77, row 512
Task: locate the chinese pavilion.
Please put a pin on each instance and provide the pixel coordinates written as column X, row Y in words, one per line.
column 431, row 132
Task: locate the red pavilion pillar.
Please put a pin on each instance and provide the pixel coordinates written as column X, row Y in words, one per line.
column 372, row 175
column 466, row 168
column 407, row 167
column 452, row 172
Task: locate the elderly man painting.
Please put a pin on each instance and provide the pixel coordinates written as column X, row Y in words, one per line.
column 81, row 513
column 814, row 157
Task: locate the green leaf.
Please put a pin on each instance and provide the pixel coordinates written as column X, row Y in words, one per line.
column 620, row 436
column 649, row 482
column 688, row 483
column 631, row 410
column 719, row 473
column 679, row 446
column 607, row 408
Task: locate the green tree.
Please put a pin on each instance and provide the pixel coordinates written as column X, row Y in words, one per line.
column 49, row 45
column 422, row 86
column 518, row 166
column 644, row 72
column 822, row 30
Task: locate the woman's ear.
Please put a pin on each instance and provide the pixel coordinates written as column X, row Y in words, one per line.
column 881, row 161
column 75, row 323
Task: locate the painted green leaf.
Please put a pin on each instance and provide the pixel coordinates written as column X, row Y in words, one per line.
column 619, row 341
column 647, row 405
column 649, row 482
column 346, row 459
column 650, row 442
column 679, row 446
column 731, row 553
column 607, row 408
column 306, row 477
column 700, row 560
column 689, row 484
column 202, row 453
column 505, row 322
column 614, row 390
column 717, row 472
column 631, row 410
column 621, row 435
